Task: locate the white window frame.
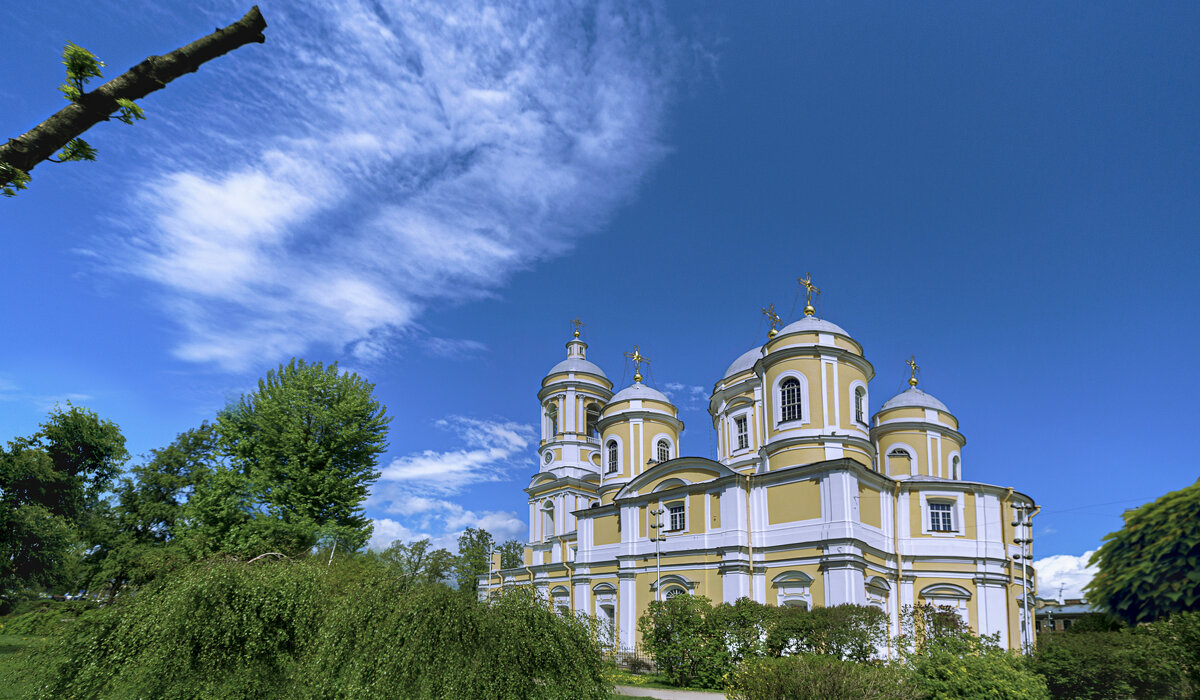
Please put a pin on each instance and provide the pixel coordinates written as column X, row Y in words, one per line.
column 955, row 470
column 608, row 470
column 956, row 502
column 547, row 509
column 677, row 508
column 793, row 587
column 743, row 415
column 913, row 467
column 777, row 400
column 866, row 415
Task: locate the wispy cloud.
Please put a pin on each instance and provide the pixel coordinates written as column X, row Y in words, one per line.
column 686, row 396
column 492, row 449
column 415, row 489
column 395, row 154
column 1067, row 571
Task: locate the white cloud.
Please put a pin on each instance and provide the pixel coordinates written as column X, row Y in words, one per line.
column 686, row 396
column 383, row 156
column 1070, row 572
column 492, row 448
column 413, row 488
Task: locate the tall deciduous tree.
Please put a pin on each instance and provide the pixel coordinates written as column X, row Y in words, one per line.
column 418, row 563
column 60, row 133
column 1150, row 568
column 512, row 554
column 308, row 442
column 50, row 488
column 474, row 549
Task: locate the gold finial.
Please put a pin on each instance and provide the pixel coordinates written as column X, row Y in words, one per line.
column 773, row 317
column 809, row 290
column 638, row 359
column 578, row 325
column 912, row 366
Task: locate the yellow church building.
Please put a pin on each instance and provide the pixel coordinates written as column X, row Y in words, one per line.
column 812, row 500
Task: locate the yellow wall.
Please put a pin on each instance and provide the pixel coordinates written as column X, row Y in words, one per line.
column 869, row 506
column 604, row 530
column 811, row 369
column 690, row 475
column 714, row 505
column 799, row 500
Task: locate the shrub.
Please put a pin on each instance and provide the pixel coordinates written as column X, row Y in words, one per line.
column 852, row 632
column 820, row 677
column 1107, row 665
column 679, row 634
column 988, row 672
column 51, row 618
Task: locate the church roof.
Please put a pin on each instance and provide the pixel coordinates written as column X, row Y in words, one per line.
column 577, row 364
column 638, row 390
column 914, row 397
column 812, row 324
column 744, row 362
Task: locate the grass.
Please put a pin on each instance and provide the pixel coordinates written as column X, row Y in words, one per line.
column 620, row 676
column 14, row 683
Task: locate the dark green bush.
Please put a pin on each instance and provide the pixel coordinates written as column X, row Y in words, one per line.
column 48, row 619
column 988, row 672
column 681, row 636
column 820, row 677
column 1108, row 665
column 852, row 632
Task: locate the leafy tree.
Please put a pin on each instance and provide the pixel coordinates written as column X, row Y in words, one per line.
column 50, row 488
column 853, row 632
column 473, row 560
column 416, row 563
column 512, row 554
column 680, row 635
column 1106, row 665
column 308, row 442
column 60, row 133
column 741, row 627
column 1150, row 568
column 821, row 677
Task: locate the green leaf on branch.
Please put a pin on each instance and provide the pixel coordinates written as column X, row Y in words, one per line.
column 14, row 179
column 77, row 149
column 129, row 111
column 82, row 65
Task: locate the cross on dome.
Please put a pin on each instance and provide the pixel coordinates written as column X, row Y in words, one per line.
column 809, row 290
column 638, row 359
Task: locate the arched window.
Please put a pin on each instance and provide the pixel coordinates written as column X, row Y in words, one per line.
column 790, row 400
column 860, row 399
column 593, row 416
column 612, row 456
column 955, row 469
column 664, row 450
column 552, row 416
column 674, row 591
column 547, row 521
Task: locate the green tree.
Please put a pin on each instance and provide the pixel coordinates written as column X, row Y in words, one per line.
column 50, row 490
column 308, row 442
column 680, row 635
column 853, row 632
column 1103, row 665
column 60, row 133
column 418, row 563
column 473, row 560
column 1150, row 568
column 512, row 554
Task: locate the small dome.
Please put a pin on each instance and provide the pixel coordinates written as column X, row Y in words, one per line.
column 812, row 324
column 577, row 364
column 744, row 362
column 914, row 398
column 639, row 391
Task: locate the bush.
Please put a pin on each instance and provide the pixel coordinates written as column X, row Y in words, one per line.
column 300, row 629
column 989, row 672
column 51, row 618
column 1108, row 665
column 820, row 677
column 853, row 632
column 679, row 633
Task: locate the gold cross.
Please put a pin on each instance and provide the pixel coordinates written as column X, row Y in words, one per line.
column 773, row 317
column 809, row 290
column 638, row 359
column 912, row 366
column 578, row 325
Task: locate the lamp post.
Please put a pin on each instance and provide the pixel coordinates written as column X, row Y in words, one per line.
column 656, row 525
column 1023, row 529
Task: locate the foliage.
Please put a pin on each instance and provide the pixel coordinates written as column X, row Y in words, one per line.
column 845, row 631
column 512, row 554
column 741, row 628
column 13, row 179
column 50, row 488
column 1108, row 665
column 820, row 677
column 1150, row 568
column 48, row 619
column 1180, row 634
column 82, row 65
column 680, row 635
column 474, row 557
column 305, row 629
column 308, row 442
column 986, row 672
column 416, row 563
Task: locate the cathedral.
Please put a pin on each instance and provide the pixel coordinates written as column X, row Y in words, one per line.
column 813, row 500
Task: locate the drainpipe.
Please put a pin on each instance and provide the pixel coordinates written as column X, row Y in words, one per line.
column 750, row 536
column 899, row 558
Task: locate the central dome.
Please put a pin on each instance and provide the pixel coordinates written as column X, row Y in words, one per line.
column 914, row 398
column 577, row 364
column 812, row 324
column 744, row 362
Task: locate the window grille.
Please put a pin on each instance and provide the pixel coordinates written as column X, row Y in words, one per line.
column 678, row 518
column 743, row 433
column 612, row 456
column 664, row 450
column 940, row 517
column 789, row 399
column 860, row 396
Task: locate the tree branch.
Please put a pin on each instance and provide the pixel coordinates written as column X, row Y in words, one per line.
column 45, row 139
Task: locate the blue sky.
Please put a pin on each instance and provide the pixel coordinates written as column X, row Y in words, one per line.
column 427, row 192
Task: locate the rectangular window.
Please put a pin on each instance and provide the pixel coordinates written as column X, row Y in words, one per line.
column 743, row 433
column 678, row 519
column 940, row 517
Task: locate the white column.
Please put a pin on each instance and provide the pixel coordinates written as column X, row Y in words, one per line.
column 582, row 597
column 993, row 609
column 627, row 626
